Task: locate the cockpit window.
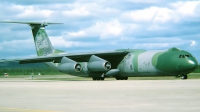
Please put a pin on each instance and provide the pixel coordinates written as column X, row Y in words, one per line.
column 187, row 55
column 184, row 56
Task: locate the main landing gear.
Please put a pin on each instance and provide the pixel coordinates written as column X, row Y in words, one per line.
column 184, row 76
column 98, row 78
column 117, row 78
column 121, row 78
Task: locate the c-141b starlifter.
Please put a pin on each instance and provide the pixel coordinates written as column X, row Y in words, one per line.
column 121, row 63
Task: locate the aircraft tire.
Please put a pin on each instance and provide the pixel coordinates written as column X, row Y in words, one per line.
column 121, row 78
column 117, row 78
column 98, row 78
column 184, row 76
column 102, row 78
column 125, row 78
column 93, row 78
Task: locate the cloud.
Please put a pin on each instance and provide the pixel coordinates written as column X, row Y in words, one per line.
column 81, row 11
column 104, row 30
column 102, row 25
column 17, row 48
column 143, row 15
column 17, row 45
column 188, row 8
column 61, row 42
column 193, row 43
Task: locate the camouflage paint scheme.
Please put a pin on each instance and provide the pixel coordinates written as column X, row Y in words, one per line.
column 121, row 64
column 157, row 63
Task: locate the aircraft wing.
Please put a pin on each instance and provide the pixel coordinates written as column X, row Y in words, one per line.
column 114, row 57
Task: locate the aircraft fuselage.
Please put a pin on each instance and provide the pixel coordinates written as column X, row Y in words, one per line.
column 172, row 62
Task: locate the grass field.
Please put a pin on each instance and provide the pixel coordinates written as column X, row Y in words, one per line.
column 74, row 78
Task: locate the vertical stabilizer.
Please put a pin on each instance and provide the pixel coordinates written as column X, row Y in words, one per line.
column 42, row 43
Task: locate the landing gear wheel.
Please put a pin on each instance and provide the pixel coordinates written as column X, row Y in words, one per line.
column 184, row 76
column 102, row 78
column 98, row 78
column 125, row 78
column 117, row 78
column 94, row 78
column 121, row 78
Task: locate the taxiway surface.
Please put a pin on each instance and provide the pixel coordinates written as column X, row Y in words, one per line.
column 100, row 96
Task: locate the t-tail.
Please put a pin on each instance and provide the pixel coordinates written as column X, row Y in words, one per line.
column 42, row 43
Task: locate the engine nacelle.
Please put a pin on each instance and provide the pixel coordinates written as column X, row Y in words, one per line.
column 70, row 68
column 99, row 66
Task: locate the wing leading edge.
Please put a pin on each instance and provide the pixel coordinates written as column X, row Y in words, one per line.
column 114, row 57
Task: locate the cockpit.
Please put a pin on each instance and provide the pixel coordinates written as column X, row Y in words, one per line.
column 184, row 56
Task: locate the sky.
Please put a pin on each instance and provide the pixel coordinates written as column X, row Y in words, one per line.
column 101, row 25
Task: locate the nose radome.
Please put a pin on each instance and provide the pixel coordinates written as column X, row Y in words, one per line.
column 188, row 66
column 191, row 65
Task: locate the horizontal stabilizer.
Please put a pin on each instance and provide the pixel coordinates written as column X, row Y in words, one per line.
column 31, row 23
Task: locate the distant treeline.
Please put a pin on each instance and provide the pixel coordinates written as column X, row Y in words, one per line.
column 197, row 70
column 14, row 68
column 29, row 71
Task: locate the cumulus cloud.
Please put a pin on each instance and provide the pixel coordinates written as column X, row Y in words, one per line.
column 104, row 30
column 101, row 25
column 143, row 15
column 17, row 48
column 193, row 43
column 81, row 11
column 188, row 8
column 60, row 42
column 17, row 45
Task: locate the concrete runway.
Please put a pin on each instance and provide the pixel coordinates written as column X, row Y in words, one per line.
column 99, row 96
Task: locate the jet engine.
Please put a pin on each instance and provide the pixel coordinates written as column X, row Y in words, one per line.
column 69, row 66
column 97, row 64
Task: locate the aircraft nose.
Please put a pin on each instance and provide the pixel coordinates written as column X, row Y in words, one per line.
column 193, row 63
column 189, row 65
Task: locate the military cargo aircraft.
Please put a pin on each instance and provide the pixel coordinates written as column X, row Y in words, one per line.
column 121, row 63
